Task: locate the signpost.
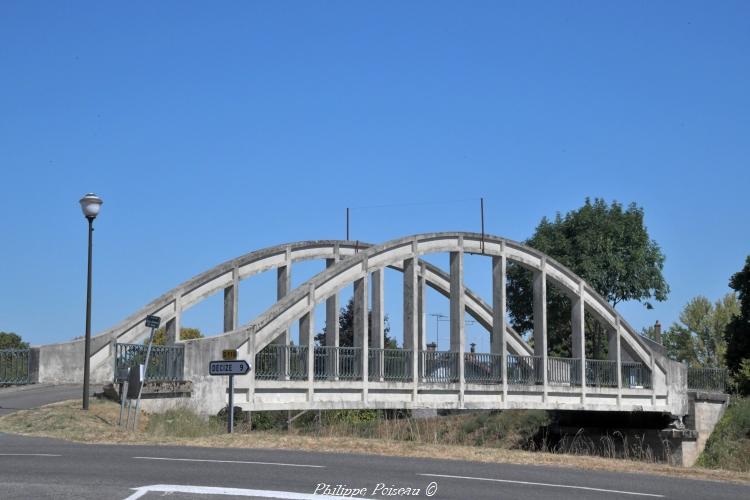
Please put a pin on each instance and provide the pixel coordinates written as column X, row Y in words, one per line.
column 231, row 368
column 136, row 376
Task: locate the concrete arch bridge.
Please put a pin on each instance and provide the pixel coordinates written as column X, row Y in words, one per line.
column 635, row 377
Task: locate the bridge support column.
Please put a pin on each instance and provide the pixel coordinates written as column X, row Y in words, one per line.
column 458, row 307
column 421, row 315
column 172, row 327
column 498, row 340
column 360, row 321
column 540, row 320
column 307, row 338
column 231, row 299
column 579, row 337
column 378, row 318
column 283, row 285
column 332, row 330
column 411, row 333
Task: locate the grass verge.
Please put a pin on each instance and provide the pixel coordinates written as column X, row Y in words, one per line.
column 179, row 427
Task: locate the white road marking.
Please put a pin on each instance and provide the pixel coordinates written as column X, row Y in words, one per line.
column 28, row 455
column 238, row 492
column 230, row 462
column 545, row 484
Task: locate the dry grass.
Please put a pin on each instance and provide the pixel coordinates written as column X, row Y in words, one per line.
column 67, row 421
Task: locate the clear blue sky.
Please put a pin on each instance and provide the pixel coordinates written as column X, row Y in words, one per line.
column 213, row 129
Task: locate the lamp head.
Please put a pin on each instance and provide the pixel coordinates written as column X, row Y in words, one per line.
column 90, row 205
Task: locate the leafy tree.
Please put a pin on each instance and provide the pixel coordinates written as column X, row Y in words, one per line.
column 10, row 340
column 346, row 328
column 160, row 335
column 698, row 339
column 610, row 248
column 738, row 331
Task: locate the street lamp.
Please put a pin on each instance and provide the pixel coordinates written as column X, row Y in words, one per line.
column 90, row 205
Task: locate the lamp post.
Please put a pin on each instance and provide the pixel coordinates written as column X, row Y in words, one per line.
column 90, row 204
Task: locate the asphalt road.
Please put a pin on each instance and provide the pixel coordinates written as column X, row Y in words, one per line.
column 48, row 468
column 31, row 396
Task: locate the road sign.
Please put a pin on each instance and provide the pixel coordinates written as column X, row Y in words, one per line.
column 229, row 354
column 153, row 321
column 240, row 367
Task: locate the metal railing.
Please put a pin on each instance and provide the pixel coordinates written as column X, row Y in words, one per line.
column 525, row 370
column 15, row 366
column 483, row 368
column 707, row 379
column 164, row 363
column 564, row 371
column 439, row 366
column 281, row 362
column 390, row 365
column 601, row 373
column 338, row 363
column 635, row 375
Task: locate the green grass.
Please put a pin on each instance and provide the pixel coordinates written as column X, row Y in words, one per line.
column 182, row 422
column 729, row 445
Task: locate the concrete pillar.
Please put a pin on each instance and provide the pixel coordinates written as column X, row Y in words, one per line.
column 498, row 339
column 378, row 317
column 283, row 286
column 619, row 361
column 411, row 326
column 332, row 328
column 172, row 327
column 421, row 311
column 360, row 326
column 307, row 338
column 540, row 319
column 421, row 318
column 578, row 324
column 458, row 307
column 378, row 309
column 170, row 331
column 231, row 299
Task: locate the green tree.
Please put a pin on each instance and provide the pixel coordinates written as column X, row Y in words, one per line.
column 738, row 331
column 610, row 248
column 346, row 328
column 698, row 339
column 160, row 335
column 10, row 340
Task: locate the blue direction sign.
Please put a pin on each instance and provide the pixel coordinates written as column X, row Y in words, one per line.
column 240, row 367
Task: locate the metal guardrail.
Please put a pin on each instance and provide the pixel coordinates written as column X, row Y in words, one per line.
column 564, row 371
column 281, row 362
column 635, row 375
column 338, row 363
column 707, row 379
column 390, row 365
column 601, row 373
column 164, row 364
column 483, row 368
column 15, row 366
column 525, row 370
column 439, row 366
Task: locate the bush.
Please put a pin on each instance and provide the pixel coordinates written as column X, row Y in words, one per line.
column 729, row 444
